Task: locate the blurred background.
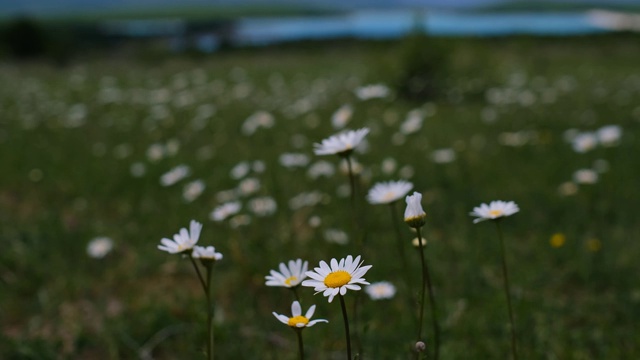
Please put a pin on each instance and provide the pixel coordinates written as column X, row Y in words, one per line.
column 59, row 30
column 120, row 121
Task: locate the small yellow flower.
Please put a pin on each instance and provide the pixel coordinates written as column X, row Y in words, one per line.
column 557, row 240
column 594, row 245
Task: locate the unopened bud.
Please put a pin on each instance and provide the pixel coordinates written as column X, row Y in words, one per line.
column 420, row 346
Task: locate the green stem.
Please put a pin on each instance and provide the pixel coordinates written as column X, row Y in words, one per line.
column 295, row 293
column 432, row 301
column 507, row 291
column 210, row 344
column 346, row 326
column 400, row 244
column 300, row 344
column 204, row 285
column 352, row 182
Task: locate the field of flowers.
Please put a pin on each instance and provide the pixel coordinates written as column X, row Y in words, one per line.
column 104, row 158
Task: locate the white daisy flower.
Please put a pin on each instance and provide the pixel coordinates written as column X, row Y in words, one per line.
column 340, row 144
column 174, row 175
column 609, row 135
column 584, row 142
column 206, row 253
column 414, row 215
column 372, row 91
column 297, row 320
column 182, row 241
column 388, row 192
column 225, row 210
column 495, row 210
column 380, row 290
column 192, row 190
column 289, row 276
column 341, row 117
column 99, row 247
column 337, row 278
column 585, row 176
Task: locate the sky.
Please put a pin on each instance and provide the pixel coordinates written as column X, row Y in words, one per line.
column 57, row 7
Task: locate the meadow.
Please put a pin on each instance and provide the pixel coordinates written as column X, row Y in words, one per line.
column 86, row 149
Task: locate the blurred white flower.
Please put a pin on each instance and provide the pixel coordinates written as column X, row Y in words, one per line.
column 172, row 147
column 388, row 192
column 260, row 119
column 249, row 186
column 290, row 160
column 443, row 156
column 155, row 152
column 342, row 143
column 336, row 236
column 321, row 168
column 567, row 188
column 258, row 166
column 584, row 142
column 585, row 176
column 341, row 117
column 137, row 169
column 192, row 190
column 239, row 220
column 225, row 210
column 609, row 135
column 174, row 175
column 372, row 91
column 601, row 165
column 240, row 170
column 389, row 165
column 380, row 290
column 263, row 206
column 495, row 210
column 305, row 199
column 406, row 172
column 356, row 167
column 413, row 122
column 99, row 247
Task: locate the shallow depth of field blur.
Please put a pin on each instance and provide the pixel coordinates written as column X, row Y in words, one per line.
column 83, row 148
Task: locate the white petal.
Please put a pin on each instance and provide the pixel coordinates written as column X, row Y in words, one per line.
column 296, row 310
column 310, row 312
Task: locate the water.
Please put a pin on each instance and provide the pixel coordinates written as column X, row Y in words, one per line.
column 377, row 24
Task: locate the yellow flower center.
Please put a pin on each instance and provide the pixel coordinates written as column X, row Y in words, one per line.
column 389, row 196
column 337, row 279
column 298, row 320
column 290, row 279
column 495, row 212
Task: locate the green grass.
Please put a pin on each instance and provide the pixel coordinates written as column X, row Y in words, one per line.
column 62, row 186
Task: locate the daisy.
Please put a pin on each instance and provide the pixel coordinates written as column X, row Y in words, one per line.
column 289, row 276
column 414, row 215
column 297, row 320
column 206, row 253
column 99, row 247
column 182, row 241
column 495, row 210
column 225, row 210
column 388, row 192
column 337, row 278
column 174, row 175
column 341, row 144
column 380, row 290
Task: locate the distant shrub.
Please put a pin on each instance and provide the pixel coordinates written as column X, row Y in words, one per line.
column 24, row 38
column 422, row 67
